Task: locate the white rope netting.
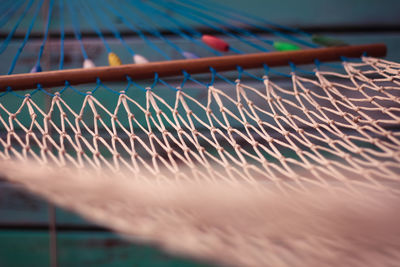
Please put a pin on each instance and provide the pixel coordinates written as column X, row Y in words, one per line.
column 239, row 168
column 259, row 173
column 327, row 128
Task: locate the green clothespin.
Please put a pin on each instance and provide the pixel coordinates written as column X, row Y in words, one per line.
column 283, row 46
column 327, row 41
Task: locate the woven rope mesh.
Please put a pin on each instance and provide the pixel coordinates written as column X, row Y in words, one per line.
column 332, row 127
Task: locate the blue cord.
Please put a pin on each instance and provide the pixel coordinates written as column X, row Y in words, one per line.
column 155, row 82
column 108, row 88
column 46, row 32
column 10, row 35
column 61, row 10
column 248, row 33
column 9, row 12
column 77, row 32
column 241, row 13
column 251, row 75
column 155, row 13
column 198, row 18
column 239, row 30
column 14, row 62
column 215, row 73
column 156, row 33
column 233, row 14
column 113, row 29
column 6, row 7
column 189, row 29
column 135, row 84
column 87, row 14
column 168, row 85
column 137, row 31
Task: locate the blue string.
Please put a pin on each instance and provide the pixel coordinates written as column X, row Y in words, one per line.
column 297, row 69
column 108, row 88
column 156, row 33
column 113, row 29
column 280, row 73
column 155, row 81
column 222, row 77
column 155, row 13
column 87, row 14
column 6, row 7
column 240, row 72
column 190, row 77
column 192, row 31
column 67, row 85
column 40, row 88
column 137, row 31
column 304, row 71
column 135, row 84
column 77, row 32
column 347, row 59
column 248, row 33
column 46, row 32
column 199, row 19
column 128, row 86
column 242, row 31
column 317, row 64
column 331, row 65
column 9, row 12
column 292, row 66
column 168, row 85
column 14, row 62
column 186, row 76
column 226, row 9
column 77, row 91
column 179, row 25
column 236, row 16
column 212, row 77
column 10, row 91
column 184, row 12
column 10, row 35
column 62, row 37
column 98, row 85
column 268, row 70
column 196, row 81
column 252, row 76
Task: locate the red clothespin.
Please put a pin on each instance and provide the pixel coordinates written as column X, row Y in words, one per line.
column 215, row 42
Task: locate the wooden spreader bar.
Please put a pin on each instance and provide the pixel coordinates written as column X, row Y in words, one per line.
column 192, row 66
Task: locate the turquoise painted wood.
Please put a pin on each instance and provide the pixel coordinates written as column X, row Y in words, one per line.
column 305, row 13
column 29, row 248
column 18, row 207
column 97, row 52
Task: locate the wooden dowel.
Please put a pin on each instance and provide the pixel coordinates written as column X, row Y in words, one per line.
column 192, row 66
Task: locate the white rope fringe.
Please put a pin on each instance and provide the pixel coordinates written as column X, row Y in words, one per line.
column 234, row 225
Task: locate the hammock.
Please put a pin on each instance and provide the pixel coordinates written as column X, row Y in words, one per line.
column 242, row 119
